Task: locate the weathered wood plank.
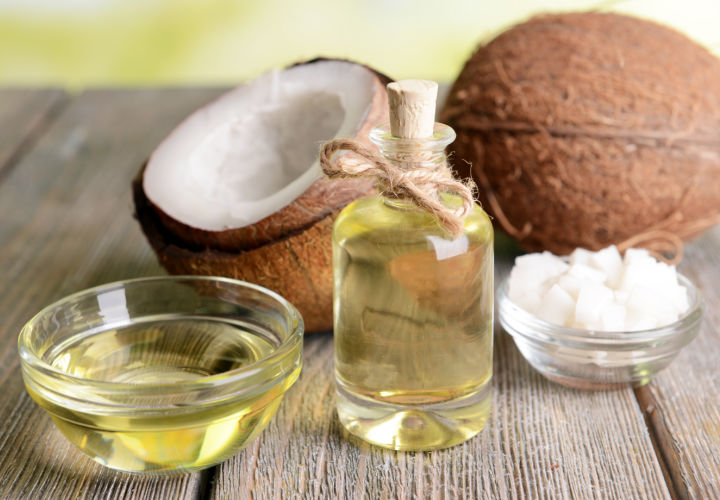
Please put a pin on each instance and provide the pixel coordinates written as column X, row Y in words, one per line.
column 23, row 115
column 683, row 402
column 544, row 441
column 67, row 224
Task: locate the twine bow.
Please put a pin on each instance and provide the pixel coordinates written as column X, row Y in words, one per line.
column 419, row 185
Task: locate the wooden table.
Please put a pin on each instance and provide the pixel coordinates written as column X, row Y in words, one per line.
column 66, row 223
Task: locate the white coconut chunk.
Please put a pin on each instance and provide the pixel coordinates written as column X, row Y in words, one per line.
column 633, row 255
column 580, row 256
column 665, row 275
column 570, row 284
column 530, row 301
column 642, row 298
column 254, row 150
column 637, row 320
column 639, row 271
column 609, row 261
column 621, row 296
column 642, row 269
column 599, row 291
column 535, row 271
column 577, row 324
column 673, row 296
column 591, row 300
column 587, row 273
column 545, row 262
column 612, row 316
column 653, row 302
column 522, row 281
column 557, row 306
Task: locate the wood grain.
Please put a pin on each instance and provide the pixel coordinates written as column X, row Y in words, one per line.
column 67, row 224
column 683, row 402
column 544, row 441
column 23, row 116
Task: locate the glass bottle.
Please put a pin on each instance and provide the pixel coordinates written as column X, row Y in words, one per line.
column 413, row 313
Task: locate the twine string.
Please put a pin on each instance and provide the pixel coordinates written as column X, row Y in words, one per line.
column 402, row 179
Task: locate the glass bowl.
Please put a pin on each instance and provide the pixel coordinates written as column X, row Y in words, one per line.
column 587, row 359
column 162, row 375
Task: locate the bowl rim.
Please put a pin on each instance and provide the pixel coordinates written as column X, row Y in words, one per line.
column 512, row 316
column 30, row 359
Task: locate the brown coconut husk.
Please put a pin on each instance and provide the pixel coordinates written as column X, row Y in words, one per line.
column 298, row 266
column 590, row 129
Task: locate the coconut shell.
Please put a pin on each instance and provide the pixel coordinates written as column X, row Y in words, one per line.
column 298, row 267
column 289, row 252
column 323, row 197
column 591, row 129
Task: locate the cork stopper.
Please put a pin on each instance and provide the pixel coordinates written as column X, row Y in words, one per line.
column 412, row 108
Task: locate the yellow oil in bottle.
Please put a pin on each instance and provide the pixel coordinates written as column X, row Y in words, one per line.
column 163, row 352
column 413, row 324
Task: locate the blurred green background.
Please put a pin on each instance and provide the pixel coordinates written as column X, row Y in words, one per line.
column 81, row 43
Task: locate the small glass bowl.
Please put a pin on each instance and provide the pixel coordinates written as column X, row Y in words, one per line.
column 163, row 375
column 587, row 359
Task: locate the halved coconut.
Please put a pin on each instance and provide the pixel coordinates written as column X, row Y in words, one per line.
column 236, row 189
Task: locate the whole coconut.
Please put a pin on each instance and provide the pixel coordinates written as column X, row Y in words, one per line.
column 590, row 129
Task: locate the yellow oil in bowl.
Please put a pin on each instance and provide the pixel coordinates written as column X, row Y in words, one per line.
column 163, row 392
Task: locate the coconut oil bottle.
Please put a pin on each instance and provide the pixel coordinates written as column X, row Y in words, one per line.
column 413, row 311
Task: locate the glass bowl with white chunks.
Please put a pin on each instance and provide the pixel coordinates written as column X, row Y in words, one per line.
column 597, row 320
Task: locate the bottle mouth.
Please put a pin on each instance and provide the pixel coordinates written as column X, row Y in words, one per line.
column 443, row 135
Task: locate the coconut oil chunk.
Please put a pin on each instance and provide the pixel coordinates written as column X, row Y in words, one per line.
column 599, row 290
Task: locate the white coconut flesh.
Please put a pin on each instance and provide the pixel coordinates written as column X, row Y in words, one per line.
column 254, row 150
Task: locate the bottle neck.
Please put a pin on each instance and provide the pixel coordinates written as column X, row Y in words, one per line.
column 400, row 204
column 412, row 154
